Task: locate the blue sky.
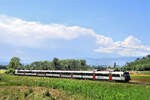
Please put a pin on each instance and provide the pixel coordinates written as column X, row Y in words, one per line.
column 41, row 30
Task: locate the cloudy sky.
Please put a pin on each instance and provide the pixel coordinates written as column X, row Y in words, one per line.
column 43, row 29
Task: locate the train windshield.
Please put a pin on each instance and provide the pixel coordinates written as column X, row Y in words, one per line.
column 127, row 75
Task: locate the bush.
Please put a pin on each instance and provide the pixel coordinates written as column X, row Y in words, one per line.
column 10, row 71
column 47, row 93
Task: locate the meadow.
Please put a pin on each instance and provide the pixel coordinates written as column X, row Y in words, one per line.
column 78, row 89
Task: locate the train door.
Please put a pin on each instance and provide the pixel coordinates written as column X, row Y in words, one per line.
column 94, row 76
column 110, row 76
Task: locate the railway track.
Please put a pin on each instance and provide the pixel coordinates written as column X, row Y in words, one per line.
column 138, row 83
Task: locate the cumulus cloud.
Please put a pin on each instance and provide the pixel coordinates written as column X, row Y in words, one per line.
column 19, row 32
column 25, row 33
column 131, row 46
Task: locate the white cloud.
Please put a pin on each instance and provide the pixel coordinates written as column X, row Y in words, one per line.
column 25, row 33
column 19, row 32
column 131, row 46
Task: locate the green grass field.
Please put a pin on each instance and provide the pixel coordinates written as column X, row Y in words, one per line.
column 140, row 76
column 82, row 89
column 145, row 72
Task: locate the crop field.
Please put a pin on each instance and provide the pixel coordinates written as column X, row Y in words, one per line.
column 140, row 76
column 31, row 93
column 71, row 88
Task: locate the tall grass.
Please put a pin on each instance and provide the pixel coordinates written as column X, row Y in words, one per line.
column 92, row 90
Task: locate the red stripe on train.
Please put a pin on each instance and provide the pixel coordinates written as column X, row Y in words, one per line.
column 110, row 77
column 93, row 76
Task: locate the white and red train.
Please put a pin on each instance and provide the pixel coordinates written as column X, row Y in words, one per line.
column 93, row 75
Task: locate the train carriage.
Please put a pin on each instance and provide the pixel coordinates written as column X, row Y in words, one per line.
column 92, row 75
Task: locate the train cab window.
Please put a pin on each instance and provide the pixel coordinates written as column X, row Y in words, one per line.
column 126, row 74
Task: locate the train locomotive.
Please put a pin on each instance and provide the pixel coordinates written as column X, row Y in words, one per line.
column 91, row 75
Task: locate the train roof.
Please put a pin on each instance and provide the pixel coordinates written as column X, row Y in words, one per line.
column 106, row 72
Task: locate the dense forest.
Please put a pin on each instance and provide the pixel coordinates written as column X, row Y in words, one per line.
column 140, row 64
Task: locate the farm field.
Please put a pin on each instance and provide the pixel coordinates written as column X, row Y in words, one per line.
column 34, row 93
column 140, row 76
column 72, row 89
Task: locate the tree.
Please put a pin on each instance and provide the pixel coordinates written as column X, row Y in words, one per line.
column 56, row 64
column 45, row 65
column 36, row 65
column 83, row 62
column 137, row 59
column 15, row 63
column 27, row 67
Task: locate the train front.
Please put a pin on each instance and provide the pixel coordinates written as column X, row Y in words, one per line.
column 127, row 76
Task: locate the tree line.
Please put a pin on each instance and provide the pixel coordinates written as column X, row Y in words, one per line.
column 140, row 64
column 55, row 64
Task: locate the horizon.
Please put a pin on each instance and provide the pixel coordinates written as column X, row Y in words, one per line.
column 89, row 61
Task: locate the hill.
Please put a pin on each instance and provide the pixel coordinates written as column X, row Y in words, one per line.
column 140, row 64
